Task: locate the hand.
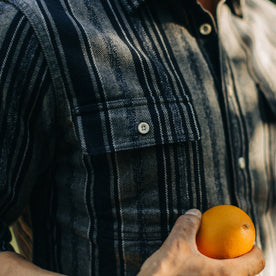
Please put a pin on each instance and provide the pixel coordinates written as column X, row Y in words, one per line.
column 179, row 256
column 13, row 264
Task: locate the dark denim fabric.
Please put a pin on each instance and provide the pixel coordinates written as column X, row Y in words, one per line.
column 116, row 116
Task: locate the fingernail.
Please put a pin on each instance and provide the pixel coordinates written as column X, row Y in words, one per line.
column 194, row 212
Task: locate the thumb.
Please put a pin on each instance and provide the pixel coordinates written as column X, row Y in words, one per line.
column 186, row 228
column 188, row 224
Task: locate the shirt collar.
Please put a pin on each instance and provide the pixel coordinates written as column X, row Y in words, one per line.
column 131, row 5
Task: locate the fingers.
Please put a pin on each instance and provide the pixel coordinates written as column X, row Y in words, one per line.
column 185, row 230
column 187, row 225
column 251, row 263
column 179, row 255
column 254, row 260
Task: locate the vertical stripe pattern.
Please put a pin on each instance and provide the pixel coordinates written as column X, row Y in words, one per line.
column 113, row 123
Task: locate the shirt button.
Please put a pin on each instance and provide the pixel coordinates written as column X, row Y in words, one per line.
column 143, row 128
column 230, row 93
column 241, row 163
column 205, row 29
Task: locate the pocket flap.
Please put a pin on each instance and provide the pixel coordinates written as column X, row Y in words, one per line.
column 135, row 123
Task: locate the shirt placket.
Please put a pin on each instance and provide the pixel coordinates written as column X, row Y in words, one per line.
column 207, row 38
column 236, row 134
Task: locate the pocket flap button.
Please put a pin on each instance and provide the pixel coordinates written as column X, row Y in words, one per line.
column 143, row 128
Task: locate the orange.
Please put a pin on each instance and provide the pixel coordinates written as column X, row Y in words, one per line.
column 225, row 232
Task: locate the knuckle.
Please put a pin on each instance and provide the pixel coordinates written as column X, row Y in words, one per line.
column 191, row 222
column 262, row 263
column 177, row 248
column 224, row 272
column 259, row 266
column 187, row 220
column 219, row 270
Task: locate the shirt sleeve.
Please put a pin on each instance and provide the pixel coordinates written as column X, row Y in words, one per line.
column 27, row 117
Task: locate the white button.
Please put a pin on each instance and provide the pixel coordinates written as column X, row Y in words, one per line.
column 205, row 29
column 241, row 163
column 230, row 92
column 143, row 128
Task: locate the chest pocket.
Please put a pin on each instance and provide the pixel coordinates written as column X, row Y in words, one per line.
column 135, row 123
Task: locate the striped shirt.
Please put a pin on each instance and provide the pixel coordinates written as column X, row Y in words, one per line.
column 116, row 116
